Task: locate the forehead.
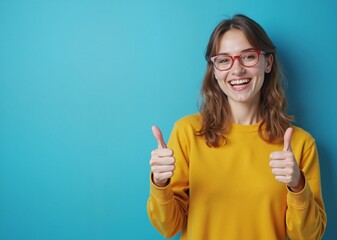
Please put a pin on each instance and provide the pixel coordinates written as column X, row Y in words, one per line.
column 233, row 41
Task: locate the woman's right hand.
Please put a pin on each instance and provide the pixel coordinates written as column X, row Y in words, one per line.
column 162, row 161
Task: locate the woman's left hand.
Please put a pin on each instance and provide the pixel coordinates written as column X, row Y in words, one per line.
column 284, row 166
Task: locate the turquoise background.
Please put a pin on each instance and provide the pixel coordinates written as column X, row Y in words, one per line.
column 82, row 82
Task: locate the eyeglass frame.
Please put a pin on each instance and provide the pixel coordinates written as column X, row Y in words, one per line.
column 237, row 57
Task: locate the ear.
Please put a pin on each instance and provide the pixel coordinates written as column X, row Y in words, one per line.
column 269, row 63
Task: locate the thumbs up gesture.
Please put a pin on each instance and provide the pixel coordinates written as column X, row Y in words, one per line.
column 284, row 166
column 162, row 160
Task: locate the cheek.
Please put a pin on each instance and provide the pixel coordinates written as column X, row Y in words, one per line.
column 263, row 69
column 220, row 78
column 258, row 72
column 220, row 75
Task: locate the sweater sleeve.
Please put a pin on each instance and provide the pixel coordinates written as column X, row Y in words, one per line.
column 168, row 206
column 305, row 216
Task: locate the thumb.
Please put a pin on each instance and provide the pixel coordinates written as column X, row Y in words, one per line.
column 287, row 139
column 159, row 137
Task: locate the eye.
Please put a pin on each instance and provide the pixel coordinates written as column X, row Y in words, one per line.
column 249, row 56
column 223, row 60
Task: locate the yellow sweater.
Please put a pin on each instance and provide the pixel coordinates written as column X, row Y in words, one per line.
column 230, row 193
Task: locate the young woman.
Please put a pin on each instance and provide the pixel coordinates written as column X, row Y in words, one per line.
column 238, row 169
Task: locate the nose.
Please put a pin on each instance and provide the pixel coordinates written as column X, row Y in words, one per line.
column 237, row 67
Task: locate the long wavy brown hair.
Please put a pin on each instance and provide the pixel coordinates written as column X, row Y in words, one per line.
column 215, row 109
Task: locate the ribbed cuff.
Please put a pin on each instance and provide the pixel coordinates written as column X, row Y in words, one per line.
column 162, row 194
column 301, row 199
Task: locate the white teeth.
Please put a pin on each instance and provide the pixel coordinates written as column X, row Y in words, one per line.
column 238, row 82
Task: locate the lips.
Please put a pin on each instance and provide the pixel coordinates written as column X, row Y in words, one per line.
column 239, row 82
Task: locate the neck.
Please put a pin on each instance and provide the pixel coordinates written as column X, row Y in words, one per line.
column 245, row 114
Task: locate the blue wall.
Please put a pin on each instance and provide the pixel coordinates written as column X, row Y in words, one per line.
column 82, row 81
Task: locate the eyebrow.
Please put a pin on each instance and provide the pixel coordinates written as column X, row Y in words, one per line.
column 244, row 50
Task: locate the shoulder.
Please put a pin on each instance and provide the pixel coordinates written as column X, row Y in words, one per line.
column 301, row 133
column 190, row 121
column 184, row 131
column 302, row 137
column 187, row 126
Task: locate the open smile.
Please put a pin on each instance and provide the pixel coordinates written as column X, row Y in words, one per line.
column 239, row 82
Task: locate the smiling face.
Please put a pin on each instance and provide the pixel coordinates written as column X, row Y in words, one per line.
column 241, row 84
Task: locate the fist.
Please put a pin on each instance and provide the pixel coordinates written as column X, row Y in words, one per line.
column 162, row 160
column 284, row 166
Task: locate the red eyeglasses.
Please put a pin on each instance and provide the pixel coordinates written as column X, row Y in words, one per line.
column 248, row 58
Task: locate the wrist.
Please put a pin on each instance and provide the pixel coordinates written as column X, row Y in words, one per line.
column 300, row 186
column 159, row 183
